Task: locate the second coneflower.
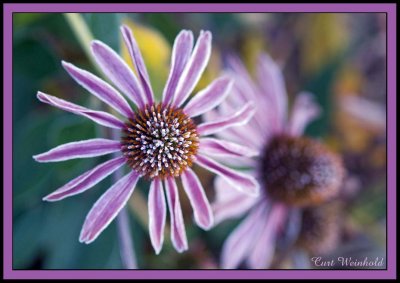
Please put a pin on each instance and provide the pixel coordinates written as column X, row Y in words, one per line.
column 159, row 141
column 294, row 171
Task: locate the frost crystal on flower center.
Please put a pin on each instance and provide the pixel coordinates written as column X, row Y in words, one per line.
column 160, row 141
column 301, row 171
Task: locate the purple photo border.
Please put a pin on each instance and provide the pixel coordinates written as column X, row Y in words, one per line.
column 9, row 273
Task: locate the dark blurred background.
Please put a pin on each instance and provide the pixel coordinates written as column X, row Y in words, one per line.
column 341, row 58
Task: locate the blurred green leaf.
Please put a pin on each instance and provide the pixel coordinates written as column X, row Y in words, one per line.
column 164, row 23
column 24, row 19
column 26, row 238
column 30, row 179
column 321, row 86
column 216, row 237
column 101, row 252
column 105, row 27
column 61, row 231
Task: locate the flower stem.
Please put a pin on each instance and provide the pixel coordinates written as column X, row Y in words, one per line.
column 82, row 32
column 85, row 37
column 124, row 233
column 125, row 240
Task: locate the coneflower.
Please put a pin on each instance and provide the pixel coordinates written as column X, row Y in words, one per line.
column 294, row 171
column 159, row 141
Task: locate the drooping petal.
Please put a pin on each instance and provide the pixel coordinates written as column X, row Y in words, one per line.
column 304, row 111
column 212, row 146
column 100, row 117
column 230, row 203
column 210, row 97
column 181, row 51
column 178, row 233
column 370, row 113
column 119, row 72
column 138, row 62
column 235, row 161
column 271, row 81
column 87, row 180
column 198, row 199
column 240, row 242
column 262, row 252
column 242, row 182
column 194, row 68
column 79, row 149
column 245, row 89
column 107, row 207
column 241, row 117
column 157, row 214
column 99, row 88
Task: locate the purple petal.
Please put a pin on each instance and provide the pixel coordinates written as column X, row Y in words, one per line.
column 178, row 233
column 242, row 182
column 209, row 97
column 241, row 117
column 266, row 118
column 86, row 180
column 194, row 68
column 304, row 111
column 246, row 136
column 119, row 72
column 181, row 51
column 272, row 84
column 212, row 146
column 100, row 89
column 197, row 197
column 100, row 117
column 80, row 149
column 230, row 203
column 157, row 214
column 245, row 90
column 244, row 85
column 262, row 252
column 239, row 134
column 137, row 60
column 241, row 241
column 107, row 207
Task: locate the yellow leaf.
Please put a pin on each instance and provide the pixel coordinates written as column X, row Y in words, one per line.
column 252, row 46
column 322, row 37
